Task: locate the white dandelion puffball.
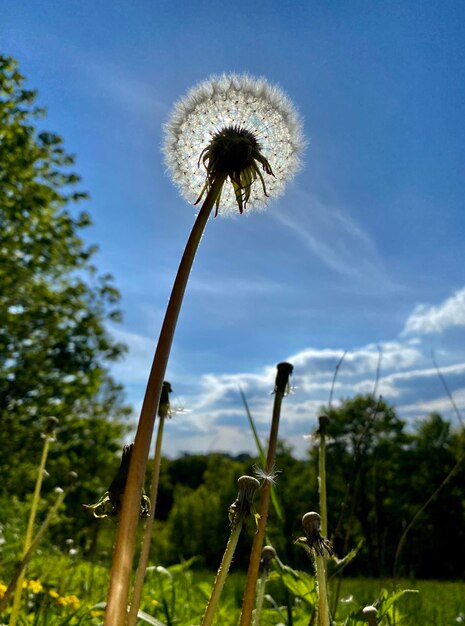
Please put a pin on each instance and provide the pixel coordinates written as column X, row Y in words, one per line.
column 258, row 117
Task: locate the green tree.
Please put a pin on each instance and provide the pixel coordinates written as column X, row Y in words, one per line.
column 365, row 455
column 54, row 347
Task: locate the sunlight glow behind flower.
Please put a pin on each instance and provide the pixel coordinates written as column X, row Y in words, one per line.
column 242, row 102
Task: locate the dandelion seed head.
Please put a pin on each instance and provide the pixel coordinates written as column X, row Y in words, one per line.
column 259, row 112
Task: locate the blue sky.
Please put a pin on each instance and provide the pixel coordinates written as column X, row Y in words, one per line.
column 364, row 251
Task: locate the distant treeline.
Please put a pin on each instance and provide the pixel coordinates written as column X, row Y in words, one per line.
column 380, row 474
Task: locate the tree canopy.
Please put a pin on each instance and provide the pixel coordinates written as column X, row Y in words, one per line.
column 54, row 346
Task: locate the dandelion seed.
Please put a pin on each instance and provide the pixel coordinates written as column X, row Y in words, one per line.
column 266, row 477
column 234, row 126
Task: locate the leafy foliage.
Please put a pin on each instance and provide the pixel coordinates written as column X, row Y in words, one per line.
column 54, row 347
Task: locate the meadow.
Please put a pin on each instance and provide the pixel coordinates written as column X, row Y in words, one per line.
column 62, row 589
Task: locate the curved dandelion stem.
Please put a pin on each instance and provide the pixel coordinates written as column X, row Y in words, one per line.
column 116, row 611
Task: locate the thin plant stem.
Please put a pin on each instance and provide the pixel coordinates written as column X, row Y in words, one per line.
column 447, row 390
column 259, row 538
column 17, row 578
column 322, row 484
column 144, row 555
column 317, row 546
column 323, row 609
column 260, row 597
column 116, row 611
column 30, row 526
column 221, row 575
column 268, row 554
column 333, row 384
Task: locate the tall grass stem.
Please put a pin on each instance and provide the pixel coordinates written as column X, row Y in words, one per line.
column 30, row 527
column 20, row 570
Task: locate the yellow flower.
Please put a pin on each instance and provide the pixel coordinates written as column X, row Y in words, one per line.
column 54, row 594
column 73, row 601
column 96, row 613
column 35, row 586
column 3, row 588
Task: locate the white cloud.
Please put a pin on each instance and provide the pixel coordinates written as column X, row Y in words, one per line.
column 440, row 404
column 218, row 421
column 435, row 319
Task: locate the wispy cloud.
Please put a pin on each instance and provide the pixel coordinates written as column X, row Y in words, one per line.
column 334, row 237
column 235, row 287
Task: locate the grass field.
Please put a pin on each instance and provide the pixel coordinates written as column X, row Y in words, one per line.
column 62, row 590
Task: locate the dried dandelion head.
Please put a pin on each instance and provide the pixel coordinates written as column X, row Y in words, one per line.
column 242, row 507
column 313, row 539
column 111, row 501
column 240, row 129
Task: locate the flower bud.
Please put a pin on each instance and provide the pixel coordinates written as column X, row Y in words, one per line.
column 370, row 613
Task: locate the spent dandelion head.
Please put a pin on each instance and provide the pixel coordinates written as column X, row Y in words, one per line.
column 323, row 423
column 164, row 408
column 111, row 501
column 242, row 507
column 268, row 554
column 284, row 371
column 313, row 539
column 240, row 129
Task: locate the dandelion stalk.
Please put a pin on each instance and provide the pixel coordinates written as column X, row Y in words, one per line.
column 116, row 611
column 239, row 511
column 233, row 128
column 281, row 388
column 163, row 412
column 268, row 554
column 49, row 437
column 318, row 547
column 323, row 425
